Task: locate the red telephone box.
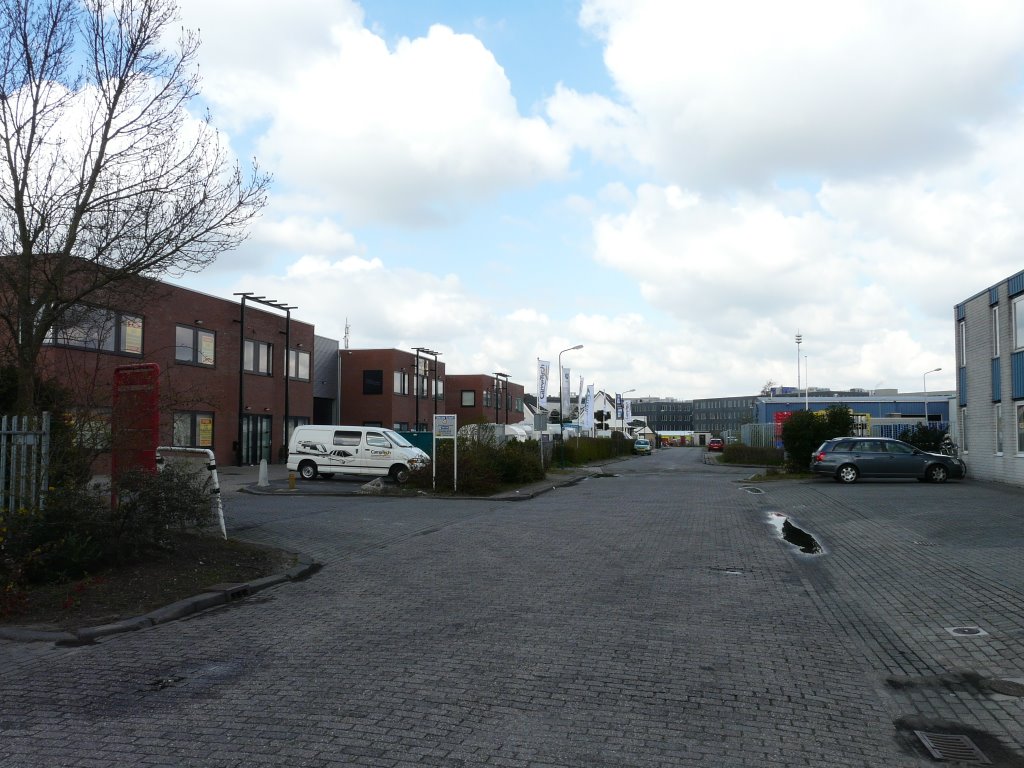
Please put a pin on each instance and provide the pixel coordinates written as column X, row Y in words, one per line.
column 135, row 421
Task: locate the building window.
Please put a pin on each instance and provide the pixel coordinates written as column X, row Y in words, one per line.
column 401, row 426
column 401, row 383
column 298, row 364
column 93, row 328
column 487, row 398
column 193, row 345
column 963, row 430
column 193, row 429
column 439, row 389
column 291, row 424
column 998, row 414
column 1018, row 322
column 963, row 342
column 256, row 357
column 468, row 398
column 995, row 331
column 373, row 382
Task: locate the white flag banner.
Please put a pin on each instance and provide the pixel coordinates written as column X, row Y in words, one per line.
column 588, row 422
column 628, row 410
column 565, row 390
column 543, row 368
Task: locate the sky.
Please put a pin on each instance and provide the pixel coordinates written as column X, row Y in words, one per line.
column 681, row 187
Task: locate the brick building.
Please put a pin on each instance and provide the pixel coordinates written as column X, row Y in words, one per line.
column 378, row 386
column 480, row 398
column 222, row 384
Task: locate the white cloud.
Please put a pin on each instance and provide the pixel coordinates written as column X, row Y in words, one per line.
column 733, row 93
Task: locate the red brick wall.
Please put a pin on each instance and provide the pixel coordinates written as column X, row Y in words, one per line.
column 390, row 407
column 185, row 387
column 479, row 412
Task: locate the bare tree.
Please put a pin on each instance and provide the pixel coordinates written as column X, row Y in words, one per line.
column 104, row 175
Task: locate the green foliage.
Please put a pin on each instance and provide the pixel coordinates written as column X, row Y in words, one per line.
column 584, row 450
column 152, row 504
column 77, row 532
column 925, row 438
column 804, row 431
column 738, row 453
column 484, row 467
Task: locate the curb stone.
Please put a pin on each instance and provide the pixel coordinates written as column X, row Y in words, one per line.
column 210, row 598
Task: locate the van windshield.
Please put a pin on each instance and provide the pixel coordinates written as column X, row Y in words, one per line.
column 397, row 439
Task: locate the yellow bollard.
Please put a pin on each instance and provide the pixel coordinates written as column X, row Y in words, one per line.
column 291, row 481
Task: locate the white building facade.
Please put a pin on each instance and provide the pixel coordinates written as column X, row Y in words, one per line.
column 990, row 381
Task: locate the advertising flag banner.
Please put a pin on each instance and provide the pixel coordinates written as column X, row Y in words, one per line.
column 628, row 410
column 566, row 390
column 618, row 406
column 589, row 418
column 543, row 367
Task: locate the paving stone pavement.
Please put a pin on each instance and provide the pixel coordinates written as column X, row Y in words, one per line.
column 649, row 617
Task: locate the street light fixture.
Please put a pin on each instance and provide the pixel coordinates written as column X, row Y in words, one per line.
column 924, row 380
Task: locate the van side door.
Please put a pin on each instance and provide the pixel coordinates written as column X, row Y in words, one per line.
column 344, row 449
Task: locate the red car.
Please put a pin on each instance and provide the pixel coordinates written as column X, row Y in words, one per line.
column 716, row 444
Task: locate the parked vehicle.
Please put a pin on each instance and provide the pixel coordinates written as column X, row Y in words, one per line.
column 317, row 449
column 716, row 444
column 848, row 458
column 642, row 447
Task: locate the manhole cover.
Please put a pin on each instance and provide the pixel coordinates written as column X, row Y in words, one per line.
column 752, row 489
column 952, row 746
column 966, row 631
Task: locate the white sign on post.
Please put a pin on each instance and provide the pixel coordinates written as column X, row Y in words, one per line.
column 446, row 428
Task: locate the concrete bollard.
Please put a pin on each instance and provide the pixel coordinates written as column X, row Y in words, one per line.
column 264, row 477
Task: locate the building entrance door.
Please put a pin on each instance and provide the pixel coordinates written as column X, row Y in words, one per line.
column 256, row 439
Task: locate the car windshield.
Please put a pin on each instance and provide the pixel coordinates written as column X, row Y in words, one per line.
column 397, row 439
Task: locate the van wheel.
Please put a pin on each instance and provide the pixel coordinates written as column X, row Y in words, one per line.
column 399, row 473
column 307, row 470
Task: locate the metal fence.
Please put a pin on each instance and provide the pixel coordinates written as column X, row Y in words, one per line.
column 24, row 461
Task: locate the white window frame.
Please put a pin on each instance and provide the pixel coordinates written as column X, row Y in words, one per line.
column 997, row 412
column 995, row 331
column 1018, row 322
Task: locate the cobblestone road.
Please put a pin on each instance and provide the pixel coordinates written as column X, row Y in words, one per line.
column 651, row 618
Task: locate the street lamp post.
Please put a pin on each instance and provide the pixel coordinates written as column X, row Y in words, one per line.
column 561, row 407
column 799, row 338
column 924, row 380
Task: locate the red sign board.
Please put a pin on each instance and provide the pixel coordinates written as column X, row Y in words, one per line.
column 135, row 422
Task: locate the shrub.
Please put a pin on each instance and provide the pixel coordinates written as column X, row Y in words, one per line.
column 484, row 467
column 738, row 453
column 151, row 504
column 804, row 431
column 925, row 438
column 76, row 532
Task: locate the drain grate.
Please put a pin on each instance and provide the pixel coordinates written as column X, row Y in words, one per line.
column 952, row 746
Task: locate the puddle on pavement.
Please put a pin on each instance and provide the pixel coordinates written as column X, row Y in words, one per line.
column 798, row 537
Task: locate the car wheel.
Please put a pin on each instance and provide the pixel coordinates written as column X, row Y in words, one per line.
column 307, row 470
column 937, row 474
column 399, row 473
column 847, row 474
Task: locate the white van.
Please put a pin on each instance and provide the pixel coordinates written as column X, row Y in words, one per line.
column 316, row 449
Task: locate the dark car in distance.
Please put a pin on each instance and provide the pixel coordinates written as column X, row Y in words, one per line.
column 716, row 444
column 847, row 458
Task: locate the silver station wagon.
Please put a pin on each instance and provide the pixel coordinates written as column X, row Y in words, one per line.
column 848, row 458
